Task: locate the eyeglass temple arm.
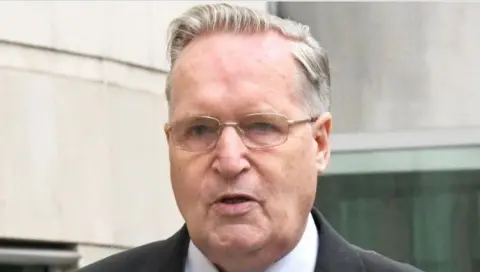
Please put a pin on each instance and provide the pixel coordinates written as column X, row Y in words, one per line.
column 309, row 120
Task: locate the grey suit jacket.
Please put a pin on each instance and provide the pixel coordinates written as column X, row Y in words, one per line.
column 335, row 254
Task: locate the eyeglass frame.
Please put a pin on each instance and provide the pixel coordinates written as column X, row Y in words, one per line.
column 235, row 125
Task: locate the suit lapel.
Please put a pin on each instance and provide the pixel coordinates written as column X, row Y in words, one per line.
column 334, row 253
column 174, row 253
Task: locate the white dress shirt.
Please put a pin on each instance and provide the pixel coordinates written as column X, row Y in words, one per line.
column 302, row 258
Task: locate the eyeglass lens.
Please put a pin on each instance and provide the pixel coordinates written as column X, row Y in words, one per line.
column 256, row 130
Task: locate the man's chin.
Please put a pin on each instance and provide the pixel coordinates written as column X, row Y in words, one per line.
column 238, row 237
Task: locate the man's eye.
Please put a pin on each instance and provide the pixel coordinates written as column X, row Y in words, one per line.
column 261, row 127
column 199, row 130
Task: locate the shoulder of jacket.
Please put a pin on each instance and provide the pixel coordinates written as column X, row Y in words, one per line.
column 376, row 262
column 122, row 261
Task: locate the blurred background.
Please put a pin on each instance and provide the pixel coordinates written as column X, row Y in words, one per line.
column 83, row 159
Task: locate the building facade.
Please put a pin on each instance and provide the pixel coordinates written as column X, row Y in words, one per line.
column 84, row 170
column 405, row 173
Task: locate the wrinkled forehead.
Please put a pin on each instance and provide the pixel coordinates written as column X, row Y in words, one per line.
column 236, row 55
column 261, row 47
column 225, row 66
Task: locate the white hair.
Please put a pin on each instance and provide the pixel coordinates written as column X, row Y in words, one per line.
column 313, row 60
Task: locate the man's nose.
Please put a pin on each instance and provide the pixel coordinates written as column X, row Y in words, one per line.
column 230, row 154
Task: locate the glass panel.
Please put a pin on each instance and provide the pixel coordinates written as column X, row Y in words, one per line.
column 428, row 219
column 406, row 160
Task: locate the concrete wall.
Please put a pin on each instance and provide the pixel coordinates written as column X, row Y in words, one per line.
column 399, row 66
column 82, row 150
column 83, row 157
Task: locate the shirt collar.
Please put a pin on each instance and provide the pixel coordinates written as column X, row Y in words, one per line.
column 302, row 258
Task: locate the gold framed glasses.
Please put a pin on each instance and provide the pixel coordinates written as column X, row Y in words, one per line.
column 259, row 130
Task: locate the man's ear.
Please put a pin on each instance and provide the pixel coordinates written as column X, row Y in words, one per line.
column 322, row 129
column 166, row 129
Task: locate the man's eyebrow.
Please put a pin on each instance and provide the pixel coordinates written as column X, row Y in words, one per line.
column 193, row 114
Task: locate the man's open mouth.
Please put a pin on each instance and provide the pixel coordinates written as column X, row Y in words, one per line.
column 235, row 199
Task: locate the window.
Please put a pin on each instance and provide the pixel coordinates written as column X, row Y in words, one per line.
column 31, row 256
column 22, row 268
column 430, row 219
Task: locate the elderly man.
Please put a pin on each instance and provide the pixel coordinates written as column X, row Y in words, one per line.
column 248, row 135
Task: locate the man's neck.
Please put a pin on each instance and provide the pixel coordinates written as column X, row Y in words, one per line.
column 301, row 254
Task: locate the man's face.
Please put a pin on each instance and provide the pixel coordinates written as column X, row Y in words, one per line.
column 228, row 76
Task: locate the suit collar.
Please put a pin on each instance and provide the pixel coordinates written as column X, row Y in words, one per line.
column 302, row 258
column 334, row 253
column 175, row 253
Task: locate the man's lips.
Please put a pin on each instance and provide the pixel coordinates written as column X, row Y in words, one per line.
column 235, row 198
column 234, row 204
